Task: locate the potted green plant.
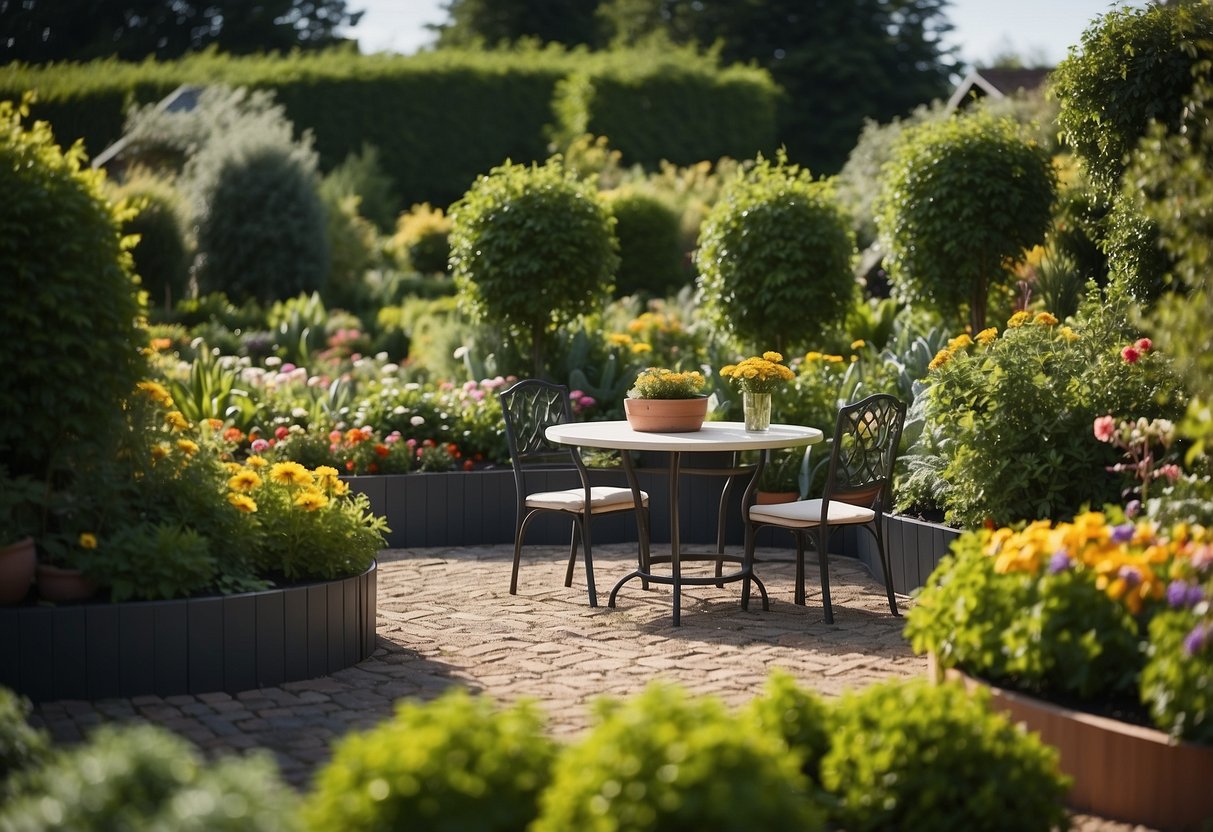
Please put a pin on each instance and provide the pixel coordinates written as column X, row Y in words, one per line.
column 758, row 377
column 666, row 401
column 780, row 479
column 19, row 499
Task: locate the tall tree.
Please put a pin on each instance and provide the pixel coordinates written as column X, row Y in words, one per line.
column 38, row 31
column 494, row 22
column 839, row 63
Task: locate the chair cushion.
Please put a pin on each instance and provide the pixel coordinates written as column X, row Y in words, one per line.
column 807, row 513
column 603, row 498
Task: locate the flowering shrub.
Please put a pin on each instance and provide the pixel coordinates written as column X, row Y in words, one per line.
column 759, row 374
column 1062, row 609
column 660, row 383
column 1139, row 440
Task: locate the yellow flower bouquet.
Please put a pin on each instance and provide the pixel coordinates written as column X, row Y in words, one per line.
column 759, row 374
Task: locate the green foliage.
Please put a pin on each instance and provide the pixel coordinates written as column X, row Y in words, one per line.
column 775, row 257
column 650, row 245
column 152, row 561
column 70, row 333
column 1010, row 416
column 1134, row 66
column 362, row 175
column 796, row 715
column 353, row 250
column 1052, row 632
column 666, row 761
column 421, row 241
column 531, row 248
column 455, row 763
column 262, row 231
column 1135, row 259
column 1177, row 684
column 910, row 755
column 162, row 255
column 144, row 779
column 961, row 201
column 22, row 748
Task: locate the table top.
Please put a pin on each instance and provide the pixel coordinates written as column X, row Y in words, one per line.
column 713, row 436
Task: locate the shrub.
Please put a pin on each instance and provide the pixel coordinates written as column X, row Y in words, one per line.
column 452, row 764
column 151, row 561
column 1177, row 681
column 143, row 779
column 909, row 755
column 961, row 200
column 650, row 245
column 797, row 716
column 353, row 250
column 532, row 247
column 775, row 256
column 665, row 761
column 22, row 748
column 162, row 255
column 421, row 241
column 362, row 175
column 70, row 333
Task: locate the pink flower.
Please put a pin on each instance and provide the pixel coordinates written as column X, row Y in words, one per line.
column 1130, row 354
column 1144, row 345
column 367, row 431
column 1171, row 472
column 280, row 432
column 259, row 446
column 286, row 368
column 392, row 438
column 334, row 436
column 1105, row 428
column 587, row 401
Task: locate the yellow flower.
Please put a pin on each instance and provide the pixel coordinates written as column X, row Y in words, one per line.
column 156, row 392
column 1018, row 319
column 771, row 355
column 187, row 446
column 176, row 420
column 290, row 473
column 942, row 357
column 1044, row 319
column 340, row 488
column 159, row 452
column 255, row 462
column 619, row 339
column 858, row 344
column 87, row 540
column 246, row 480
column 640, row 347
column 987, row 336
column 812, row 356
column 311, row 500
column 233, row 467
column 833, row 359
column 1070, row 335
column 960, row 341
column 243, row 502
column 325, row 474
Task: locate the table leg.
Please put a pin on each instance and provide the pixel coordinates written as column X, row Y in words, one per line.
column 642, row 518
column 675, row 541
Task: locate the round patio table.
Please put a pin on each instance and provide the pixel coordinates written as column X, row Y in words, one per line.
column 712, row 437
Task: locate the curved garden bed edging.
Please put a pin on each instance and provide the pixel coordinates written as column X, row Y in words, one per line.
column 192, row 645
column 1121, row 771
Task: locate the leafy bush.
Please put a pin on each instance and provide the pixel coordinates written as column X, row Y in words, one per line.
column 353, row 250
column 532, row 247
column 909, row 755
column 665, row 761
column 455, row 763
column 421, row 241
column 1177, row 681
column 150, row 561
column 144, row 778
column 22, row 748
column 70, row 333
column 362, row 175
column 162, row 255
column 650, row 253
column 962, row 199
column 775, row 257
column 796, row 715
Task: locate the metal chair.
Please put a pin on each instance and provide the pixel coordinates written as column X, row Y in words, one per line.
column 858, row 490
column 529, row 408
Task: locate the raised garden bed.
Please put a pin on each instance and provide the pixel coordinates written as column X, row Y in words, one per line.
column 192, row 645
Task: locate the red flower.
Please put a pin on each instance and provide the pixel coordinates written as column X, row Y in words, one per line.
column 280, row 432
column 1130, row 354
column 233, row 434
column 349, row 465
column 373, row 468
column 1144, row 345
column 382, row 450
column 468, row 465
column 990, row 524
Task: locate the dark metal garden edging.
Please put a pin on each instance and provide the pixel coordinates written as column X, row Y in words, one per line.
column 192, row 645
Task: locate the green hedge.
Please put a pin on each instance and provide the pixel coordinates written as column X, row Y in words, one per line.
column 442, row 118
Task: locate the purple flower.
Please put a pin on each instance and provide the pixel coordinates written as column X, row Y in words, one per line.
column 259, row 446
column 1060, row 562
column 1181, row 594
column 1131, row 575
column 1122, row 533
column 1196, row 640
column 1132, row 508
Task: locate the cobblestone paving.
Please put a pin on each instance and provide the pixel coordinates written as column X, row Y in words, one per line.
column 446, row 618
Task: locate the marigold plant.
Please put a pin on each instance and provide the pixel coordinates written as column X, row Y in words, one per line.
column 759, row 374
column 661, row 383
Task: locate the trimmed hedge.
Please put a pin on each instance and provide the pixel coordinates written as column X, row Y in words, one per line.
column 440, row 119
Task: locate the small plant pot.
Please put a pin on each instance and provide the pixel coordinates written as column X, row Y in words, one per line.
column 63, row 585
column 666, row 415
column 17, row 562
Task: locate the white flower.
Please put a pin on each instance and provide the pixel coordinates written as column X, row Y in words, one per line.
column 273, row 361
column 299, row 412
column 417, row 421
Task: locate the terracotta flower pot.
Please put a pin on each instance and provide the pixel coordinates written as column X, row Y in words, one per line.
column 17, row 561
column 58, row 584
column 666, row 415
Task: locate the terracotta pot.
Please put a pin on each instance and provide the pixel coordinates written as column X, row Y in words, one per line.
column 59, row 585
column 17, row 561
column 1121, row 771
column 666, row 415
column 767, row 498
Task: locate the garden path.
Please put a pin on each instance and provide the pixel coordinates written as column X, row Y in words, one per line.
column 446, row 618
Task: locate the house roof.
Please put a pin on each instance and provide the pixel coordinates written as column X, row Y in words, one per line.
column 183, row 99
column 997, row 83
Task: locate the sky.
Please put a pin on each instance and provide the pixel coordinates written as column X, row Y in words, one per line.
column 1040, row 30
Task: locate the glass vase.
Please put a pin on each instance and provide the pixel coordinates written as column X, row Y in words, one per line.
column 757, row 408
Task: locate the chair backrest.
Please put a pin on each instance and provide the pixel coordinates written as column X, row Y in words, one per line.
column 864, row 450
column 529, row 408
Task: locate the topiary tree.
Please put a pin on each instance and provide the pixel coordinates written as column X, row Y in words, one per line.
column 69, row 330
column 961, row 202
column 650, row 245
column 909, row 755
column 1133, row 67
column 663, row 761
column 162, row 255
column 452, row 764
column 775, row 256
column 532, row 247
